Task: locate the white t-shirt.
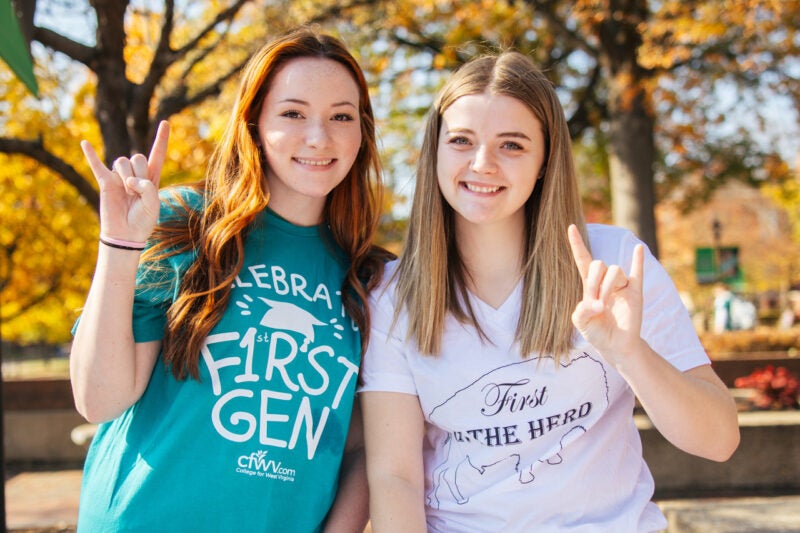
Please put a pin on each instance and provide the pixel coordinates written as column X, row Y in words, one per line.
column 515, row 444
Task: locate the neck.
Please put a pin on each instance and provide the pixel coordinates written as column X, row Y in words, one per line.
column 493, row 257
column 299, row 213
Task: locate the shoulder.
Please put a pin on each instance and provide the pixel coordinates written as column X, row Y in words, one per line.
column 388, row 282
column 611, row 244
column 383, row 296
column 604, row 235
column 388, row 317
column 372, row 267
column 180, row 201
column 391, row 268
column 171, row 250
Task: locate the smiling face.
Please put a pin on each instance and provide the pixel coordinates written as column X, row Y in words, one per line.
column 310, row 130
column 490, row 152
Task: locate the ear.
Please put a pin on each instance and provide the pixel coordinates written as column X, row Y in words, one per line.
column 542, row 172
column 254, row 134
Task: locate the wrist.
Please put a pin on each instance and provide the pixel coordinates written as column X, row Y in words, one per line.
column 630, row 360
column 122, row 244
column 116, row 266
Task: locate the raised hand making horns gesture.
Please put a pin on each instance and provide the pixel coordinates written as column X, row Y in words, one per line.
column 129, row 202
column 609, row 316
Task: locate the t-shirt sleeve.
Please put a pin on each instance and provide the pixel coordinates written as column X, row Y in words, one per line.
column 666, row 324
column 158, row 282
column 385, row 367
column 156, row 285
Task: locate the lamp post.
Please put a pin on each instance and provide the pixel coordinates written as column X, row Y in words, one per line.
column 716, row 232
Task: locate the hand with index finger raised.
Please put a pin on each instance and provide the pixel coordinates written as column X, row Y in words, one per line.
column 129, row 201
column 609, row 314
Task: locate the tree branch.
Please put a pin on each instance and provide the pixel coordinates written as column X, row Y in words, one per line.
column 33, row 301
column 204, row 53
column 222, row 16
column 588, row 105
column 55, row 41
column 8, row 252
column 163, row 56
column 547, row 10
column 337, row 10
column 36, row 151
column 423, row 44
column 179, row 100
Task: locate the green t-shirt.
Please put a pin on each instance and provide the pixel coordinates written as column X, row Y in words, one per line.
column 256, row 443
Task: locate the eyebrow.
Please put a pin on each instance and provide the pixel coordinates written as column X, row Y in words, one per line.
column 303, row 102
column 511, row 134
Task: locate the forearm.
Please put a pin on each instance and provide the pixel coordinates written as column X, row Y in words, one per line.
column 102, row 361
column 108, row 370
column 396, row 505
column 350, row 511
column 394, row 431
column 693, row 409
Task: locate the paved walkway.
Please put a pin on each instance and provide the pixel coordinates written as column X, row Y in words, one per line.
column 733, row 515
column 43, row 501
column 48, row 501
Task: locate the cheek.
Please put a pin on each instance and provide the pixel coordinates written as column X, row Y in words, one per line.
column 351, row 142
column 356, row 143
column 272, row 138
column 347, row 149
column 444, row 179
column 440, row 172
column 537, row 171
column 447, row 166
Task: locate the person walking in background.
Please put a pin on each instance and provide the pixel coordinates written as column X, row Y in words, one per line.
column 722, row 308
column 732, row 311
column 221, row 360
column 510, row 339
column 791, row 311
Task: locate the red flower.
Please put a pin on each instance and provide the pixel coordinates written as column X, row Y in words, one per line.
column 775, row 388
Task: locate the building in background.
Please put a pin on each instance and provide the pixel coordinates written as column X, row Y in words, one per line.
column 749, row 236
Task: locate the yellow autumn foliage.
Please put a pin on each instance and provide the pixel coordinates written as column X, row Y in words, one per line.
column 48, row 232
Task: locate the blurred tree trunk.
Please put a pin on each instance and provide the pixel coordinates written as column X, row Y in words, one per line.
column 630, row 116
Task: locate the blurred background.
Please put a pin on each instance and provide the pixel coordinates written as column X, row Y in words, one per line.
column 683, row 113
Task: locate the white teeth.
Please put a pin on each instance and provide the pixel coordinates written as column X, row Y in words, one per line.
column 476, row 188
column 314, row 163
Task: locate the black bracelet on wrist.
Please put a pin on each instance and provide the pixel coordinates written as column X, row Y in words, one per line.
column 119, row 246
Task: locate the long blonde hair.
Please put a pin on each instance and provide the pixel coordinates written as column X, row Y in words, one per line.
column 235, row 192
column 431, row 274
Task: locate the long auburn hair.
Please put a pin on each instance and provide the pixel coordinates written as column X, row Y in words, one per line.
column 431, row 276
column 235, row 192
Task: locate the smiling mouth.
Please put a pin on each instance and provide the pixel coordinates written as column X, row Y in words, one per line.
column 481, row 189
column 314, row 163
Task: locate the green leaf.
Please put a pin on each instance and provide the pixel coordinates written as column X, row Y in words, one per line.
column 13, row 48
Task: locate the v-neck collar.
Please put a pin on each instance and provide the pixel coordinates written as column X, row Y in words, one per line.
column 500, row 316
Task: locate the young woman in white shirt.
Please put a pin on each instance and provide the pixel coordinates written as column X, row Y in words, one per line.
column 510, row 340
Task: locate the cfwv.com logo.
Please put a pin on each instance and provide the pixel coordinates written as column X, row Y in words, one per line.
column 256, row 464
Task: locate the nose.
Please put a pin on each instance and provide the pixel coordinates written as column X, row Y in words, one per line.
column 483, row 161
column 317, row 134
